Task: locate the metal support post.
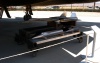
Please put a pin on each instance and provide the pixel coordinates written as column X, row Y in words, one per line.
column 87, row 47
column 93, row 48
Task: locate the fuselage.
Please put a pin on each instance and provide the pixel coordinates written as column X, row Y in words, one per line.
column 18, row 2
column 41, row 2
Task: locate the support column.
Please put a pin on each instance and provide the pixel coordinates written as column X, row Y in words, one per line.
column 94, row 7
column 1, row 12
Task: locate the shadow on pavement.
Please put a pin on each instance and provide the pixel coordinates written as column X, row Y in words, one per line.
column 51, row 55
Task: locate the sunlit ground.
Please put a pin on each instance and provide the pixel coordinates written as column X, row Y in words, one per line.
column 84, row 16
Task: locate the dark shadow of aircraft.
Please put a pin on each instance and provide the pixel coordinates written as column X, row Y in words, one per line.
column 29, row 3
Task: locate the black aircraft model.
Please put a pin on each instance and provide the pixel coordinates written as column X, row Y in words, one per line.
column 29, row 3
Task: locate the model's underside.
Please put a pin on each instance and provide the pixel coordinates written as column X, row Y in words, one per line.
column 41, row 2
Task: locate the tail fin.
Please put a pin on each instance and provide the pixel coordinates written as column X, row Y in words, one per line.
column 63, row 15
column 73, row 16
